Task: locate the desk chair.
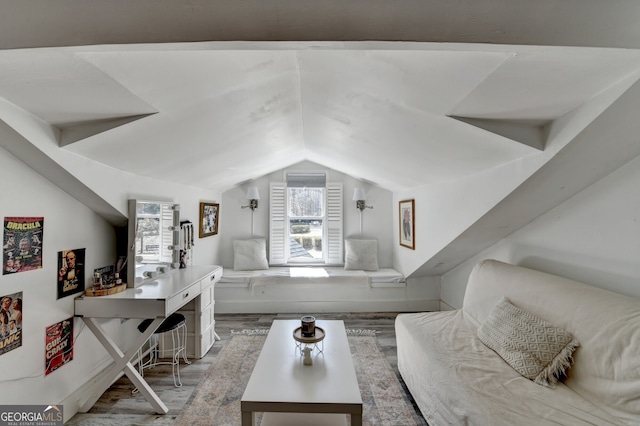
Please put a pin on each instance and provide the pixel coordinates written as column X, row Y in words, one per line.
column 177, row 326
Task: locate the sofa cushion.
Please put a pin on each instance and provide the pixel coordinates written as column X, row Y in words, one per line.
column 605, row 372
column 534, row 348
column 361, row 255
column 250, row 255
column 455, row 379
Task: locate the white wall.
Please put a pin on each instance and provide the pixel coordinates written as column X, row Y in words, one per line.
column 445, row 210
column 236, row 222
column 67, row 225
column 594, row 237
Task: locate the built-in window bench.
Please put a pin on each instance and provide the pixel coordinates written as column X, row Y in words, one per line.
column 310, row 289
column 315, row 275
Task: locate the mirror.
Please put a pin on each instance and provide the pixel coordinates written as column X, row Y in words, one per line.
column 153, row 239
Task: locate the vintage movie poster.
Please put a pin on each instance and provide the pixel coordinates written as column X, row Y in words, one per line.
column 106, row 274
column 22, row 244
column 70, row 272
column 10, row 322
column 58, row 345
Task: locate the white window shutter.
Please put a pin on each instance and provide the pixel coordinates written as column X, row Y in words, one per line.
column 335, row 238
column 277, row 230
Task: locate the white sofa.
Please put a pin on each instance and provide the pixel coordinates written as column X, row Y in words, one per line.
column 456, row 380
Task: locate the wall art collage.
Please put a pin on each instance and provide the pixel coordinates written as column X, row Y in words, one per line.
column 22, row 251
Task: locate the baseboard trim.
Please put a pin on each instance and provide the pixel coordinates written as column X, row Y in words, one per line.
column 444, row 306
column 289, row 306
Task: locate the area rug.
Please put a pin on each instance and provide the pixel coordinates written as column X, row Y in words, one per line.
column 216, row 400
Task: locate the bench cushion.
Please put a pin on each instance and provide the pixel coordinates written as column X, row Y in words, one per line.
column 333, row 273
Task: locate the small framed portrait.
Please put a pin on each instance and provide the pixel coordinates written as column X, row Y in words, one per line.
column 209, row 218
column 407, row 224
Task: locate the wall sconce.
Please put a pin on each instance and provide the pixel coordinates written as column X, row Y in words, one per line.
column 359, row 198
column 253, row 196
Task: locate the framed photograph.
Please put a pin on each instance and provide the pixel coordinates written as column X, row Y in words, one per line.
column 209, row 218
column 407, row 224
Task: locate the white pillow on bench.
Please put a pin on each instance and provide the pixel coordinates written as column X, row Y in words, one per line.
column 361, row 255
column 250, row 255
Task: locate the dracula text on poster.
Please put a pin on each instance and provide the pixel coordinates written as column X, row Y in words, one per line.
column 22, row 244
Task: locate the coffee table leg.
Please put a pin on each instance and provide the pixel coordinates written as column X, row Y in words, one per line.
column 249, row 418
column 356, row 420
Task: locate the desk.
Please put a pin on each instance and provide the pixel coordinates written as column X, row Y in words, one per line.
column 155, row 300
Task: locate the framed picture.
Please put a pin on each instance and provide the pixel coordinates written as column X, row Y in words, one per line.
column 407, row 224
column 209, row 218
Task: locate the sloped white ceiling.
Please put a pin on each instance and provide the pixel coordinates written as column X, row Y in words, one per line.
column 403, row 93
column 216, row 114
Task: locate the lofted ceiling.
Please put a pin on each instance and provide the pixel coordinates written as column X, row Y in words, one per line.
column 213, row 115
column 164, row 89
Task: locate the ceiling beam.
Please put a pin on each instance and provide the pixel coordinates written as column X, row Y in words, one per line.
column 26, row 152
column 71, row 133
column 532, row 134
column 606, row 144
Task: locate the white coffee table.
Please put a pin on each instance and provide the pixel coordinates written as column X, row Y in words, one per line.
column 280, row 383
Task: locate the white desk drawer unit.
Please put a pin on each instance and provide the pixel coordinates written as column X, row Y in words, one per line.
column 205, row 305
column 184, row 297
column 199, row 313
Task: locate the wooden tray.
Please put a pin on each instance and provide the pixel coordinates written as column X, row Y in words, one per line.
column 106, row 291
column 319, row 335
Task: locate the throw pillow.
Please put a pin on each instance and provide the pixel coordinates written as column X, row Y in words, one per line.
column 250, row 255
column 361, row 255
column 534, row 348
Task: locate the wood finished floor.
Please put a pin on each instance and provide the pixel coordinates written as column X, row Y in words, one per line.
column 118, row 406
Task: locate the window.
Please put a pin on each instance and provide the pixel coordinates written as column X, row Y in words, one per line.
column 305, row 212
column 306, row 220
